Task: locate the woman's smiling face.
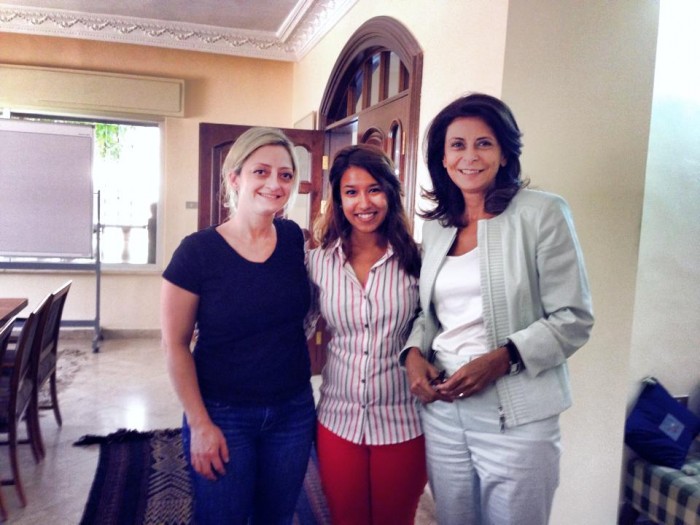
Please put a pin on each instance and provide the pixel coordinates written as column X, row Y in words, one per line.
column 473, row 155
column 266, row 180
column 363, row 200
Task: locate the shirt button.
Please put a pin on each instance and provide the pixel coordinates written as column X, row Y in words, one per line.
column 363, row 380
column 366, row 352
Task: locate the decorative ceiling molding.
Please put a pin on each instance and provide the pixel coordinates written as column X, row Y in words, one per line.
column 304, row 31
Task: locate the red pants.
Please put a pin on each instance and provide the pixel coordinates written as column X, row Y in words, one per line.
column 371, row 484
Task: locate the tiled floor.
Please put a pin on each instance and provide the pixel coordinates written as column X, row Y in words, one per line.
column 125, row 385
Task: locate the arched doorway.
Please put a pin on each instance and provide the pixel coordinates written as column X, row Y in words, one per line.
column 373, row 96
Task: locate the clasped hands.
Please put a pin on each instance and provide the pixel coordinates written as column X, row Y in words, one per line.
column 428, row 384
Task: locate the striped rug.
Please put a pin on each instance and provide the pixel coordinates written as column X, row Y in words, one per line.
column 142, row 478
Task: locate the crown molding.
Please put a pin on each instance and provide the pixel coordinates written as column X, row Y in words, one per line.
column 300, row 34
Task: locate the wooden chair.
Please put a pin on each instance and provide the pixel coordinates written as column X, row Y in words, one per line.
column 47, row 359
column 17, row 395
column 5, row 333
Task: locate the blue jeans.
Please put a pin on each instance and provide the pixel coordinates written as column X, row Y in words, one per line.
column 269, row 448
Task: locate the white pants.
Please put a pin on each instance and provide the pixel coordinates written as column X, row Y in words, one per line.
column 481, row 476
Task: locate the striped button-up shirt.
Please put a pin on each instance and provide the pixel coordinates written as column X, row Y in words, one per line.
column 365, row 396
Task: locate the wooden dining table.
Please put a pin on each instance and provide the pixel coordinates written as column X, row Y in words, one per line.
column 11, row 306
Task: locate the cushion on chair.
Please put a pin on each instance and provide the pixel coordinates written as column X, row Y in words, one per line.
column 659, row 428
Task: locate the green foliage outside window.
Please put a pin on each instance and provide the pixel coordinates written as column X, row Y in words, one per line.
column 107, row 139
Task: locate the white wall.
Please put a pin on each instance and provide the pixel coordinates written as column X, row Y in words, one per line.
column 666, row 328
column 579, row 78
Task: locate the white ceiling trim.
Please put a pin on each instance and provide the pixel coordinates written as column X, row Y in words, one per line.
column 298, row 35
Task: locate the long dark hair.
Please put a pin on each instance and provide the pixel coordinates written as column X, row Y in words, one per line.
column 333, row 224
column 449, row 203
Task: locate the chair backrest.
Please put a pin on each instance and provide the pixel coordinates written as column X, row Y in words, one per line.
column 49, row 335
column 24, row 369
column 5, row 333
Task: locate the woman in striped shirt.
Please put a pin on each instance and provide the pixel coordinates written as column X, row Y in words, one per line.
column 364, row 274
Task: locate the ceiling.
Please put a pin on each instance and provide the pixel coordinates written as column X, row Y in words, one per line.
column 269, row 29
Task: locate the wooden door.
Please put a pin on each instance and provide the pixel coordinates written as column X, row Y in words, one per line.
column 383, row 125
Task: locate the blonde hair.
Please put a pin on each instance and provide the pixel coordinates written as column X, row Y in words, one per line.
column 247, row 144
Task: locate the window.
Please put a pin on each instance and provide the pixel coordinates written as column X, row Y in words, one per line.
column 396, row 138
column 379, row 76
column 126, row 177
column 376, row 86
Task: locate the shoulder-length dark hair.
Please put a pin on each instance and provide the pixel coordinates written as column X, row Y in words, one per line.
column 450, row 206
column 333, row 224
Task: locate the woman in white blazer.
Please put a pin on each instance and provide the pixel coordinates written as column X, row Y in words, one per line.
column 505, row 301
